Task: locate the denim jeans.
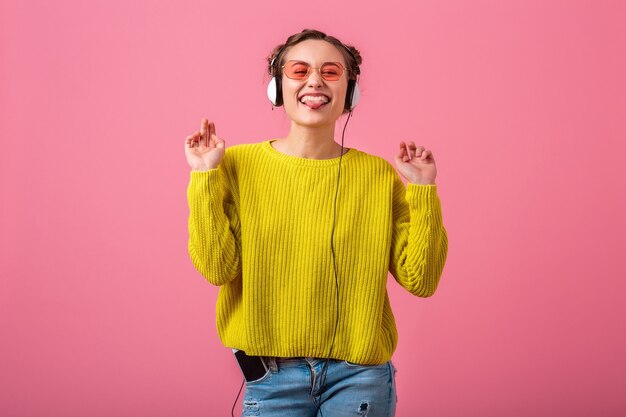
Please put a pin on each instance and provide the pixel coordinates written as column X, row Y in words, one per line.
column 292, row 387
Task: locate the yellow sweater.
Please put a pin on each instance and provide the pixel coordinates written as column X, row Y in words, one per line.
column 260, row 226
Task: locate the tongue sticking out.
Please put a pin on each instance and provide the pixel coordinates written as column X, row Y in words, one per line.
column 313, row 104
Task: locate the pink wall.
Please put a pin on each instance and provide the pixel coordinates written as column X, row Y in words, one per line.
column 522, row 102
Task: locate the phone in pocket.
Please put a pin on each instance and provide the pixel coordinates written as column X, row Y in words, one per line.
column 252, row 367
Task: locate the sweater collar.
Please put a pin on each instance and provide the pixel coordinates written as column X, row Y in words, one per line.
column 295, row 160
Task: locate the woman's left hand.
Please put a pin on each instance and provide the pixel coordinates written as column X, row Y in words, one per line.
column 416, row 164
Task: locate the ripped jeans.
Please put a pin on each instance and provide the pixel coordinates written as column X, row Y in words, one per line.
column 293, row 387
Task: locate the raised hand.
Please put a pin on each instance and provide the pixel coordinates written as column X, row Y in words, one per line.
column 416, row 164
column 204, row 150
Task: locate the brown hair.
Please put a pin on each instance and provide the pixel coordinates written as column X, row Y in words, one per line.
column 277, row 56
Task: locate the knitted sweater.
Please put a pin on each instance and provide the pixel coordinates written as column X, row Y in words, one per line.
column 260, row 226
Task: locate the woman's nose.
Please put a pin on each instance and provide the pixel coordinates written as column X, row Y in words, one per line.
column 315, row 78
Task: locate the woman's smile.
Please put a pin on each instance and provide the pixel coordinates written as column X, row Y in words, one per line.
column 314, row 100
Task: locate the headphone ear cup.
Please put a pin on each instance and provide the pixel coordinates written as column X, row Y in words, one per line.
column 356, row 95
column 279, row 91
column 353, row 93
column 271, row 91
column 274, row 92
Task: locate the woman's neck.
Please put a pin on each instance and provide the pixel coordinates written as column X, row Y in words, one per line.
column 311, row 143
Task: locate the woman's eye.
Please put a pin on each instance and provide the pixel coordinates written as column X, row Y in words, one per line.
column 330, row 69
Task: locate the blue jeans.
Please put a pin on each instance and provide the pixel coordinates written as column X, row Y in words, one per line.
column 293, row 387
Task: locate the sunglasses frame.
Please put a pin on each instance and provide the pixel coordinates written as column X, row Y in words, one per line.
column 310, row 68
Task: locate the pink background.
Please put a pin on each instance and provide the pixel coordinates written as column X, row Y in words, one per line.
column 523, row 104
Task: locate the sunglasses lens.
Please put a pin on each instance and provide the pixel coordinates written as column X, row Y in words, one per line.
column 331, row 72
column 297, row 70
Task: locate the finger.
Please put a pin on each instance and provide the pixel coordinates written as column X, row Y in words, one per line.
column 197, row 138
column 412, row 149
column 415, row 148
column 207, row 133
column 401, row 157
column 211, row 133
column 408, row 152
column 191, row 140
column 404, row 155
column 204, row 130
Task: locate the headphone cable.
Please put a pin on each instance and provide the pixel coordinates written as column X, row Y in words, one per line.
column 232, row 410
column 332, row 247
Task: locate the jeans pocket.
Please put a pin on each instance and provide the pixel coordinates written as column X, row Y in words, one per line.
column 265, row 377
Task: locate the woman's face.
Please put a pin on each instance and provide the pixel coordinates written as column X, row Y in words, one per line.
column 315, row 52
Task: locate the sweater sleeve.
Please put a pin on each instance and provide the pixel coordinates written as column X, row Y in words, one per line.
column 419, row 244
column 214, row 228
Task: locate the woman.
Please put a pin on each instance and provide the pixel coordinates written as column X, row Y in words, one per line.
column 300, row 234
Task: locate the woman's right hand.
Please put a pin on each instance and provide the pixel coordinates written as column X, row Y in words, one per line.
column 204, row 150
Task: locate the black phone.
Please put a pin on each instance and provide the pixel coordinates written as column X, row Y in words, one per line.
column 252, row 367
